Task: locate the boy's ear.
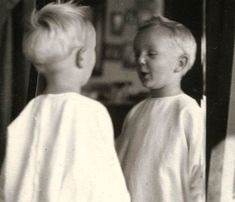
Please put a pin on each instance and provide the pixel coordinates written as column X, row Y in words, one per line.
column 182, row 63
column 80, row 57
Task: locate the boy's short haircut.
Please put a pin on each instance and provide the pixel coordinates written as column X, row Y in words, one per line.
column 178, row 33
column 55, row 30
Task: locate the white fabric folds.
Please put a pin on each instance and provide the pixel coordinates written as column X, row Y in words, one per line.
column 61, row 149
column 162, row 150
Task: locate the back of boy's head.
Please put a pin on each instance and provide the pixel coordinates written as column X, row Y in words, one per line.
column 180, row 35
column 55, row 30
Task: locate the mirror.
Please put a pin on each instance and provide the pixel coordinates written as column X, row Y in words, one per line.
column 115, row 82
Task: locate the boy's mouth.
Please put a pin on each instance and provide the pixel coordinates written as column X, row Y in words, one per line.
column 144, row 75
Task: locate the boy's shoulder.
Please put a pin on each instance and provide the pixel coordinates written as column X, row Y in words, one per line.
column 184, row 100
column 74, row 101
column 187, row 106
column 135, row 108
column 88, row 103
column 176, row 103
column 181, row 100
column 28, row 111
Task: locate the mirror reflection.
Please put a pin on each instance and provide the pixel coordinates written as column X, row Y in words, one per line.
column 122, row 78
column 148, row 75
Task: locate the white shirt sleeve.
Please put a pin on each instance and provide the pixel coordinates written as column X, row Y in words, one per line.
column 195, row 132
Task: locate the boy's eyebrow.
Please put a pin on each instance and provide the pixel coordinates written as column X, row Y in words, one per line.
column 153, row 49
column 146, row 46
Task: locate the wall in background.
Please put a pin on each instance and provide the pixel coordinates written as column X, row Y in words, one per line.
column 121, row 20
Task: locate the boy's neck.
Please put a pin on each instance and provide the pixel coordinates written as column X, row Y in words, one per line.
column 163, row 92
column 62, row 83
column 57, row 89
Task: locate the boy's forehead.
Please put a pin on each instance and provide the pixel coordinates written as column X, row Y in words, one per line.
column 156, row 38
column 151, row 34
column 154, row 31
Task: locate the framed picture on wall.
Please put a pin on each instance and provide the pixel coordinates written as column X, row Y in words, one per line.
column 117, row 22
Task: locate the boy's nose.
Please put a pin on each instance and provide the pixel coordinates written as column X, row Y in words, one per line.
column 141, row 60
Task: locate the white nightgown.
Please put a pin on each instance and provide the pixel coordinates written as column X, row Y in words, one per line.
column 61, row 149
column 162, row 150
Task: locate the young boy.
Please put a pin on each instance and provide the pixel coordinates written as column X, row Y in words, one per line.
column 60, row 148
column 161, row 148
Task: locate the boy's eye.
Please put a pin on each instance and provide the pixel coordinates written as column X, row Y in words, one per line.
column 152, row 54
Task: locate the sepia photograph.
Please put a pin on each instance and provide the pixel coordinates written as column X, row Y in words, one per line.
column 117, row 101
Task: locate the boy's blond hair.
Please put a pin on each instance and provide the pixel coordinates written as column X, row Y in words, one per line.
column 55, row 30
column 177, row 33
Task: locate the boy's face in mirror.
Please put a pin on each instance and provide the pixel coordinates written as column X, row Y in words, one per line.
column 156, row 58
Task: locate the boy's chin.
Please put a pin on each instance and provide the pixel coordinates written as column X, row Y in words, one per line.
column 146, row 84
